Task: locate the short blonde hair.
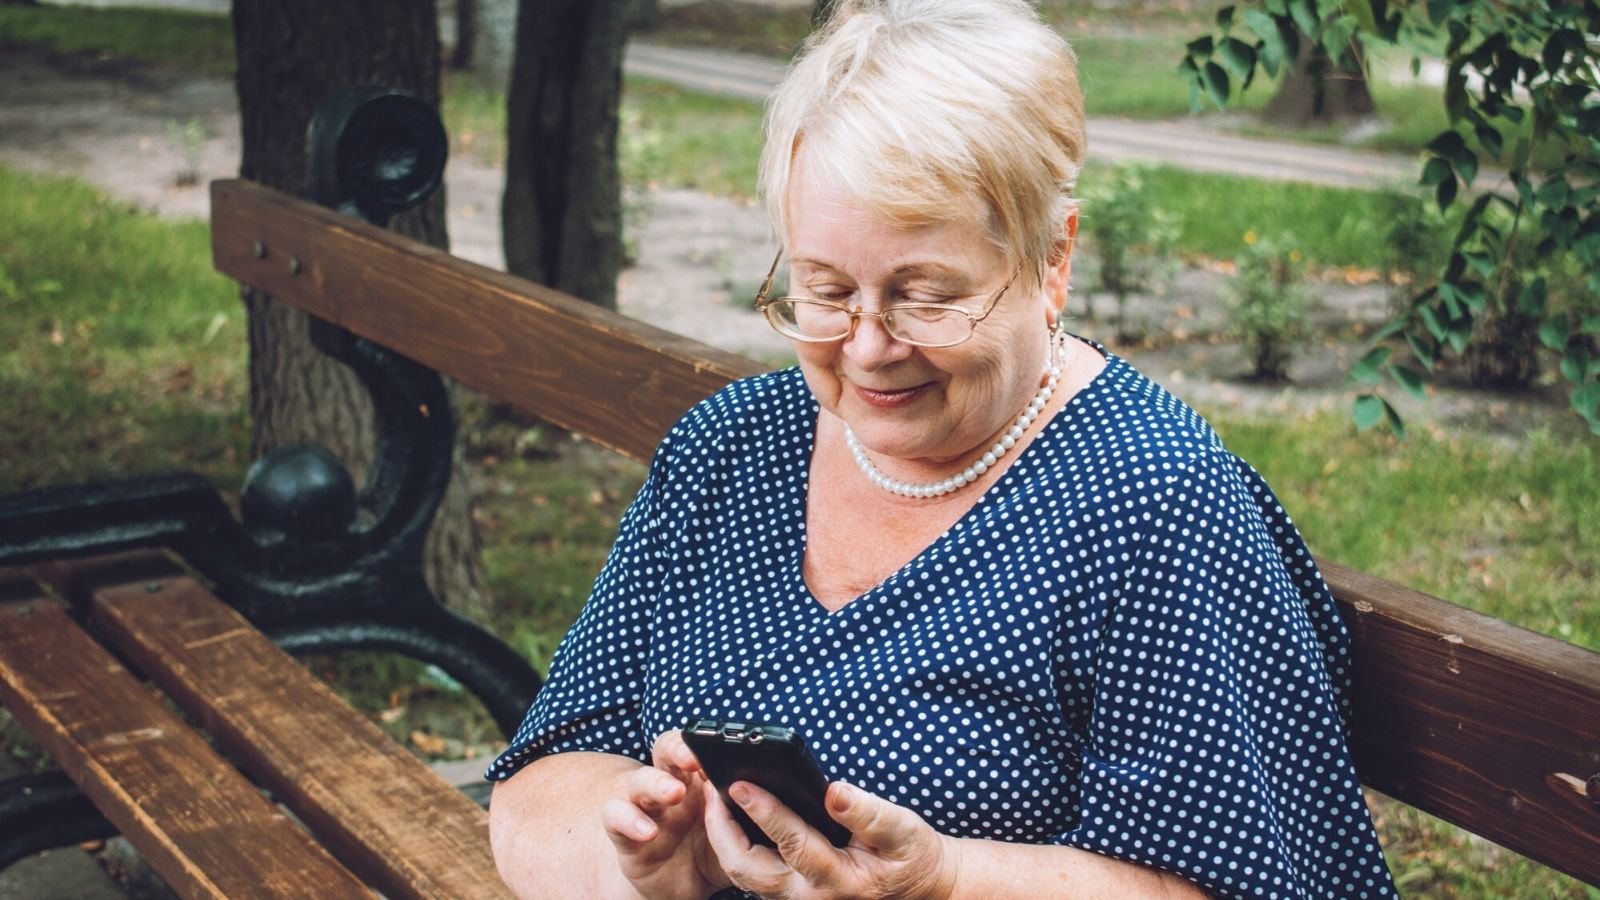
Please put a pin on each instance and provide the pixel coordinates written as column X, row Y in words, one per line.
column 926, row 109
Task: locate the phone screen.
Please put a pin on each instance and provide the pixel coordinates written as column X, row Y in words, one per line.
column 771, row 757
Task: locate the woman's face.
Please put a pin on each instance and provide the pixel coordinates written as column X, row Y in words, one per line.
column 915, row 403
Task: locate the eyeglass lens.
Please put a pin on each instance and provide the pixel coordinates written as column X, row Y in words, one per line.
column 912, row 324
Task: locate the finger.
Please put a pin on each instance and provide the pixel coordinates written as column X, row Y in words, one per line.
column 655, row 792
column 887, row 828
column 801, row 847
column 669, row 752
column 751, row 867
column 627, row 825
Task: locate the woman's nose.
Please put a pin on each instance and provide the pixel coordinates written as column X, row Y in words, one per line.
column 870, row 345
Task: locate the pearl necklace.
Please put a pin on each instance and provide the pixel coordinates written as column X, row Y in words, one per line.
column 970, row 473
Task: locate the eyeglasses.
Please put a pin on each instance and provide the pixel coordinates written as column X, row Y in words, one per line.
column 920, row 324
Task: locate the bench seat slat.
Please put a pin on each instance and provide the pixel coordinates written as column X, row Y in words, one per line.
column 200, row 824
column 382, row 811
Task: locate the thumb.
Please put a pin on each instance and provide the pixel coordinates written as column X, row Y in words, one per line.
column 878, row 823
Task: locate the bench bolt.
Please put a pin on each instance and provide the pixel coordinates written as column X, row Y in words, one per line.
column 294, row 265
column 260, row 250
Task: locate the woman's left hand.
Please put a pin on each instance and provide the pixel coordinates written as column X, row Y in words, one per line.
column 892, row 851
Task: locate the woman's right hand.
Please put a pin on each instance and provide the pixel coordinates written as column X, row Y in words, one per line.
column 658, row 826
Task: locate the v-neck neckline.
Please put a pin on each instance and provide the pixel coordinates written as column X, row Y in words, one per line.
column 1027, row 463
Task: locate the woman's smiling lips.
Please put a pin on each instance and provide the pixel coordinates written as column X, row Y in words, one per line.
column 892, row 399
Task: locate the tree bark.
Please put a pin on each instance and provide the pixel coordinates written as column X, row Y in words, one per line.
column 291, row 55
column 1316, row 91
column 466, row 34
column 562, row 209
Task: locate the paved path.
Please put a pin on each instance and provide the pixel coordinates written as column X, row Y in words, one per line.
column 1186, row 143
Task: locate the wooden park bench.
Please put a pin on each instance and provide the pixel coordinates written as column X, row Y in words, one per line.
column 1473, row 720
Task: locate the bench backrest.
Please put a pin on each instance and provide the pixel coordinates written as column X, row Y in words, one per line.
column 1481, row 723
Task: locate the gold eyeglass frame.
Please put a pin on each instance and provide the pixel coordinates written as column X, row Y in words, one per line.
column 763, row 303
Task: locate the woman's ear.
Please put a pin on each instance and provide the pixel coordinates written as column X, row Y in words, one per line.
column 1058, row 269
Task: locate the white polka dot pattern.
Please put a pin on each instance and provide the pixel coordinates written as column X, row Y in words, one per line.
column 1124, row 646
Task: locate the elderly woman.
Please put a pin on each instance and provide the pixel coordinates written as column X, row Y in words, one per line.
column 1047, row 635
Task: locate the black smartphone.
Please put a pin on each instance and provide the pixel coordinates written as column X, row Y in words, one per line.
column 771, row 757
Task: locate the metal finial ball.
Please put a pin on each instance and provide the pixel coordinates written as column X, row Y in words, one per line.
column 303, row 491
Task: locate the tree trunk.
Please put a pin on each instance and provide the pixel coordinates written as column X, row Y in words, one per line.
column 1316, row 91
column 291, row 55
column 562, row 209
column 643, row 15
column 466, row 34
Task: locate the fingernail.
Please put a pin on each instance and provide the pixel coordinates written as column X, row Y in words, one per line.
column 844, row 796
column 740, row 794
column 641, row 829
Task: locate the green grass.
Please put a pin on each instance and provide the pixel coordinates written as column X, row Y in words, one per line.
column 193, row 42
column 122, row 351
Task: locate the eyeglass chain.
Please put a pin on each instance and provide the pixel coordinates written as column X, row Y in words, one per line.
column 984, row 463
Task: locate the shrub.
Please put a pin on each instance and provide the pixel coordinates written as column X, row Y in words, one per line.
column 1131, row 238
column 1266, row 301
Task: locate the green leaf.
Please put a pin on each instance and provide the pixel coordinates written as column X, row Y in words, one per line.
column 1367, row 367
column 1554, row 333
column 1271, row 52
column 1430, row 320
column 1460, row 334
column 1452, row 303
column 1435, row 171
column 1445, row 193
column 1586, row 401
column 1482, row 262
column 1591, row 324
column 1200, row 47
column 1575, row 363
column 1447, row 143
column 1489, row 138
column 1466, row 165
column 1336, row 38
column 1554, row 51
column 1554, row 192
column 1361, row 10
column 1410, row 379
column 1472, row 294
column 1395, row 422
column 1239, row 57
column 1422, row 351
column 1368, row 411
column 1225, row 18
column 1531, row 298
column 1216, row 83
column 1304, row 13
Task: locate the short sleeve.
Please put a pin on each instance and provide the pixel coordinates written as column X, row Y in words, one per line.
column 1215, row 746
column 591, row 699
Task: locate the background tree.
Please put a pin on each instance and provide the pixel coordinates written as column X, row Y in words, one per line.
column 291, row 55
column 1520, row 89
column 466, row 34
column 1317, row 90
column 562, row 209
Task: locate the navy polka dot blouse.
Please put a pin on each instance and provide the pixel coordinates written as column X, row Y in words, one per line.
column 1124, row 646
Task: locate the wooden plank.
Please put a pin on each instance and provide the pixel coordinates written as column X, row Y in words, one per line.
column 1474, row 720
column 380, row 810
column 618, row 381
column 206, row 829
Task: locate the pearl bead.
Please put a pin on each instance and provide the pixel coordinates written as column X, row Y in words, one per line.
column 970, row 473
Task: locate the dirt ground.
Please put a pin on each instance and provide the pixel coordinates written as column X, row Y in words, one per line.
column 154, row 138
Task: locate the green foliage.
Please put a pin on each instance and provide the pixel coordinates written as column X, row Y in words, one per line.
column 1266, row 302
column 195, row 42
column 120, row 347
column 1129, row 235
column 1509, row 67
